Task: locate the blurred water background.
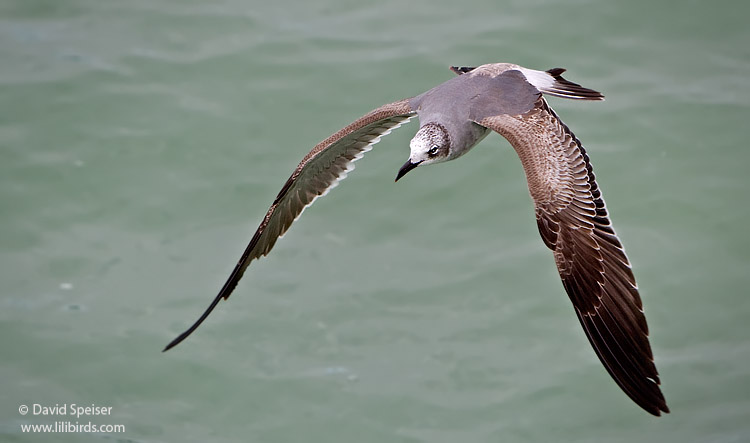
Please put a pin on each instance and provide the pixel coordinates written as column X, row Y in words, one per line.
column 142, row 141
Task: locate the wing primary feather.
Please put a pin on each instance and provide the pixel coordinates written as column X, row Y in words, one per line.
column 224, row 293
column 195, row 325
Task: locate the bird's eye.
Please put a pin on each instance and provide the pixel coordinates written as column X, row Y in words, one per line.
column 434, row 150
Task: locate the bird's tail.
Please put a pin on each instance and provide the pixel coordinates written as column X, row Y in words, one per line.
column 561, row 87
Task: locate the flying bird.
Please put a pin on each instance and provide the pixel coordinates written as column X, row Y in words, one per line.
column 570, row 212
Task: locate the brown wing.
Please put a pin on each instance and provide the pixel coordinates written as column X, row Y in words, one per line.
column 321, row 170
column 595, row 272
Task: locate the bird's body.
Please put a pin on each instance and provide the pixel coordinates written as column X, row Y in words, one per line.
column 571, row 216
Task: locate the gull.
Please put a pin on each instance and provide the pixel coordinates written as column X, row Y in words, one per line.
column 570, row 213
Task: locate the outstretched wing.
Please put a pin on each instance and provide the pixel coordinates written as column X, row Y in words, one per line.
column 321, row 170
column 574, row 223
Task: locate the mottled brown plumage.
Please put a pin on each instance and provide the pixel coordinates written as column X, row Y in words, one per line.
column 574, row 223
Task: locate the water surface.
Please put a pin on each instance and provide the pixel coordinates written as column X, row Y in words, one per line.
column 142, row 142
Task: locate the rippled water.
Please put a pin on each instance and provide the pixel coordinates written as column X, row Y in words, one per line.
column 142, row 142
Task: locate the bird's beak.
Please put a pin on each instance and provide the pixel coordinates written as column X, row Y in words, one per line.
column 408, row 166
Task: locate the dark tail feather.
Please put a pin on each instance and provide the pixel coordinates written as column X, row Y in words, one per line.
column 567, row 89
column 462, row 69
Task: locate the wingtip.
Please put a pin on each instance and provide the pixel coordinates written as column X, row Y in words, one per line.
column 176, row 341
column 661, row 406
column 658, row 410
column 224, row 293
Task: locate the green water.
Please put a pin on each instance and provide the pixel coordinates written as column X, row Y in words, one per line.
column 142, row 141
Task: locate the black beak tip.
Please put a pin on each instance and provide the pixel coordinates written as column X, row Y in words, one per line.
column 408, row 166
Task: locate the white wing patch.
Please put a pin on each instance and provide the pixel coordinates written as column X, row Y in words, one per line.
column 540, row 79
column 557, row 86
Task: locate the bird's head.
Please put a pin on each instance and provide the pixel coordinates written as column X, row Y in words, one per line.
column 431, row 144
